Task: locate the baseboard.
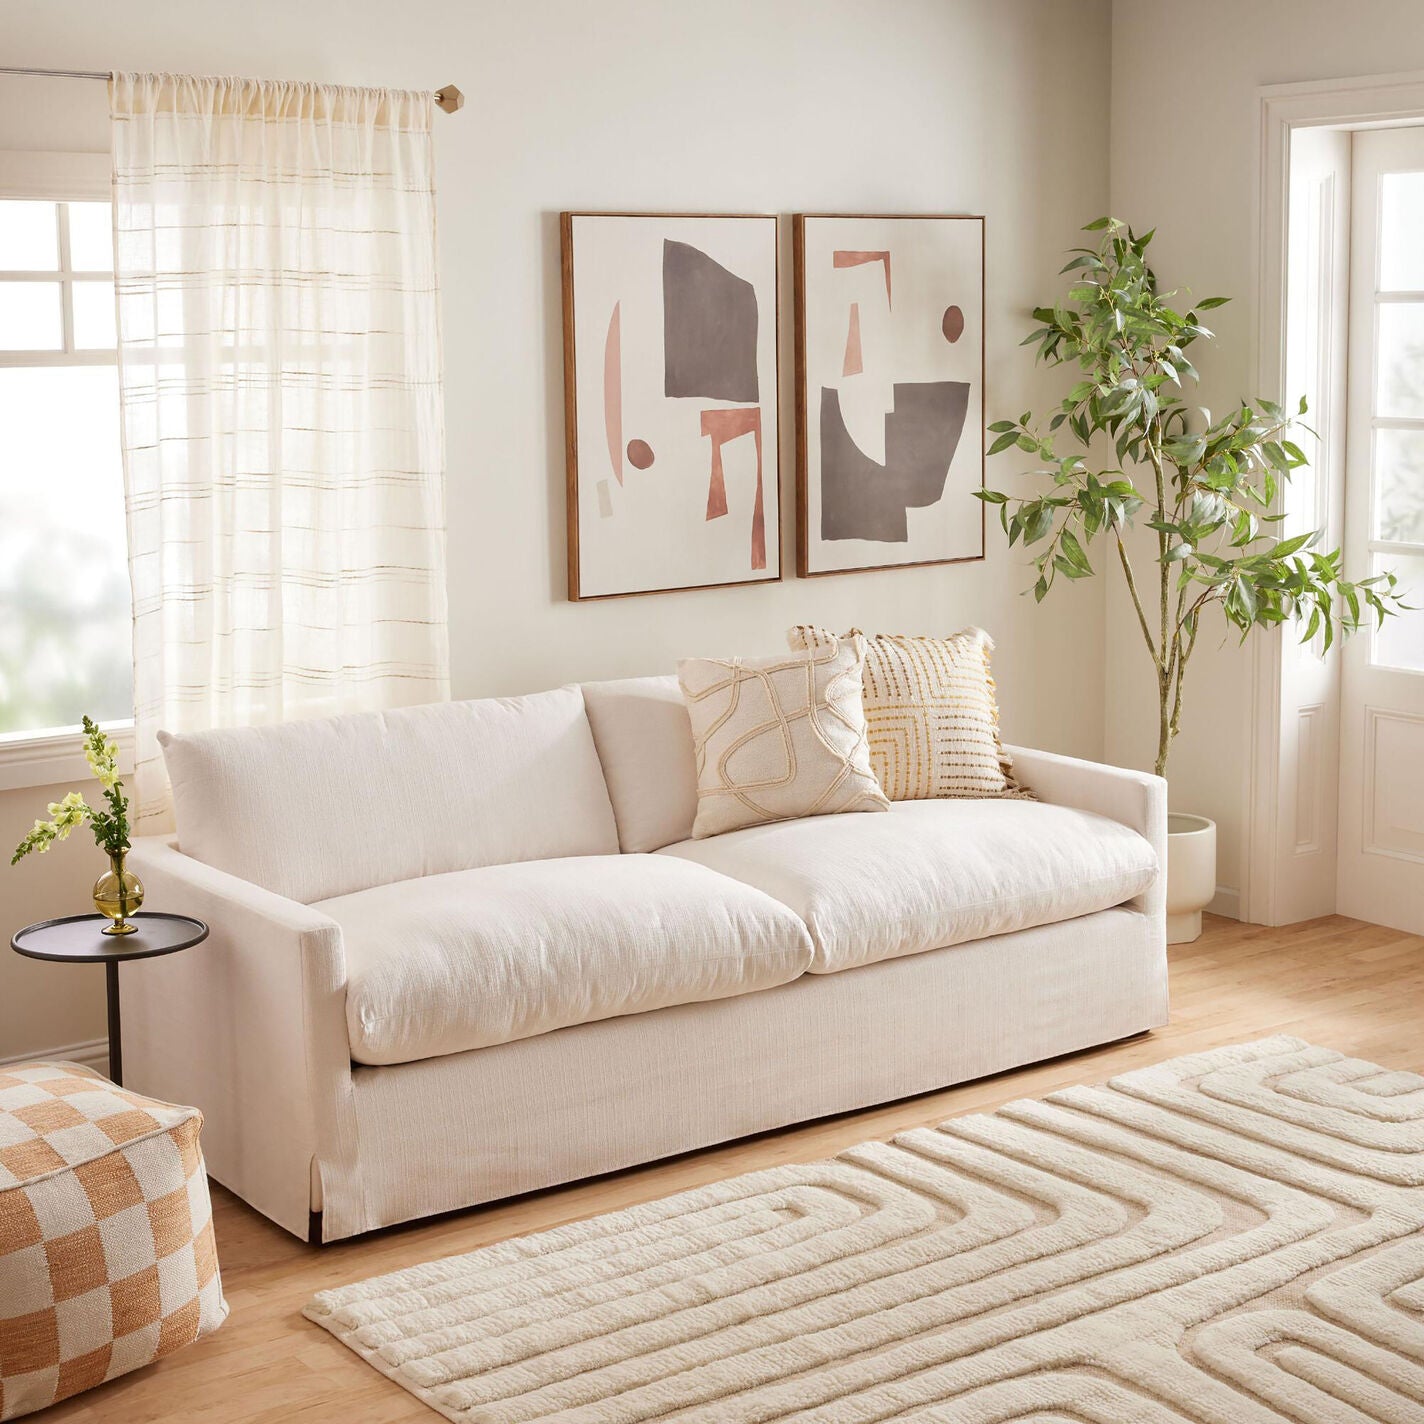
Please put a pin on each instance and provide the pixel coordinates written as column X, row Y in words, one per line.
column 92, row 1053
column 1227, row 902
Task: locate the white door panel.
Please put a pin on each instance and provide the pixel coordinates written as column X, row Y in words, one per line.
column 1381, row 866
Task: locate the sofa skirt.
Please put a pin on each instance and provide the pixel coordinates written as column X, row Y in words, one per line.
column 451, row 1132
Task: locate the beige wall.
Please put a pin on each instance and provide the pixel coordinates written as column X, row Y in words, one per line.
column 782, row 105
column 1191, row 171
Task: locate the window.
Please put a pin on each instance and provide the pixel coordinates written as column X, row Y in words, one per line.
column 65, row 631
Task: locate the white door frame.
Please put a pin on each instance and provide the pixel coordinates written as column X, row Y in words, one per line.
column 1375, row 100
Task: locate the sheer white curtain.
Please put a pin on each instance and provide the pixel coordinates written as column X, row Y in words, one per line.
column 280, row 389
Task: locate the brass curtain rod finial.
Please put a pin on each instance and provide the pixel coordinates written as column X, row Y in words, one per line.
column 449, row 98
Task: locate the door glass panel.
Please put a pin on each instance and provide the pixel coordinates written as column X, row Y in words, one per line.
column 1401, row 226
column 30, row 317
column 94, row 316
column 29, row 236
column 1400, row 642
column 1399, row 485
column 91, row 238
column 1400, row 388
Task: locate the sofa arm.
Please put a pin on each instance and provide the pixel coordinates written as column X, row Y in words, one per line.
column 1134, row 798
column 250, row 1026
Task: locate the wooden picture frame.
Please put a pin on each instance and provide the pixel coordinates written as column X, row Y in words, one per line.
column 870, row 242
column 697, row 500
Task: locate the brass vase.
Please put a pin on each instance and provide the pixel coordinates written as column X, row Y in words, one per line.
column 117, row 894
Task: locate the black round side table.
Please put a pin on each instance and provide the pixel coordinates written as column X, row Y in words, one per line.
column 79, row 939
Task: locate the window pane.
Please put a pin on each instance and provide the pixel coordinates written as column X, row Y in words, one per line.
column 91, row 238
column 65, row 642
column 94, row 316
column 30, row 317
column 1400, row 643
column 1402, row 232
column 29, row 237
column 1401, row 359
column 1399, row 485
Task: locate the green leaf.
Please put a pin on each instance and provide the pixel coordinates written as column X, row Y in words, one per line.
column 1207, row 303
column 1001, row 425
column 1073, row 552
column 991, row 496
column 1038, row 521
column 1003, row 442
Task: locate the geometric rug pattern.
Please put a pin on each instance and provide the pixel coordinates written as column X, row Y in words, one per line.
column 1232, row 1237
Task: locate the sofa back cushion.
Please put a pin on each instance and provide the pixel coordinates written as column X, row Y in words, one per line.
column 644, row 739
column 330, row 806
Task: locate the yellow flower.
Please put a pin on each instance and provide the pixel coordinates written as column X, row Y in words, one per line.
column 103, row 759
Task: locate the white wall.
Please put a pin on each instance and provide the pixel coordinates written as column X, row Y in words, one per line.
column 779, row 105
column 1185, row 140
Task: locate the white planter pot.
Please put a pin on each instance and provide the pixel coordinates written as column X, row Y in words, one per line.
column 1191, row 874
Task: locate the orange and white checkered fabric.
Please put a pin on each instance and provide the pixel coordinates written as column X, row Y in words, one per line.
column 107, row 1259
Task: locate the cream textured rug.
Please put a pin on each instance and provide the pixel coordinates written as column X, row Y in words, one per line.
column 1233, row 1237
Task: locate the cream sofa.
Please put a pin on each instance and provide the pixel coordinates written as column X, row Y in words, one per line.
column 463, row 951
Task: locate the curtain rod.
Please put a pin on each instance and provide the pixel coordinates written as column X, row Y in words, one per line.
column 449, row 98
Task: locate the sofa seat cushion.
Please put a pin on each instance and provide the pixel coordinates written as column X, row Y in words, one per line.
column 478, row 957
column 931, row 873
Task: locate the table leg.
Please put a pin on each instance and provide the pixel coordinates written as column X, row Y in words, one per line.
column 116, row 1047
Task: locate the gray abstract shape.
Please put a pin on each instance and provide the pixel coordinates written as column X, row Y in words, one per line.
column 862, row 499
column 709, row 328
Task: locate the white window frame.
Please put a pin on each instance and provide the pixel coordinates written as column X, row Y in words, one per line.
column 48, row 756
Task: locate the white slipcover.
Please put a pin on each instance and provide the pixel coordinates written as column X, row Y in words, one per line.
column 932, row 873
column 644, row 739
column 253, row 1026
column 480, row 957
column 326, row 807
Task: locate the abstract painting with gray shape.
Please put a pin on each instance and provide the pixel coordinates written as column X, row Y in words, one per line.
column 889, row 387
column 683, row 361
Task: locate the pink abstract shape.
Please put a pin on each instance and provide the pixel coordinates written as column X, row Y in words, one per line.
column 854, row 363
column 859, row 259
column 721, row 426
column 613, row 389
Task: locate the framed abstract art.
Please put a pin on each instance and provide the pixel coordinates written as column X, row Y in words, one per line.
column 671, row 401
column 889, row 391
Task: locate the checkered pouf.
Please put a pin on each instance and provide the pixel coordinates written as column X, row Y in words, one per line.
column 106, row 1235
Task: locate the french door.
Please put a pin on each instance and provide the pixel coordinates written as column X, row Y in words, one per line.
column 1381, row 840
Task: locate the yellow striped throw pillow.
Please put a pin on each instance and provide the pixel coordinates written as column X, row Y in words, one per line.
column 931, row 715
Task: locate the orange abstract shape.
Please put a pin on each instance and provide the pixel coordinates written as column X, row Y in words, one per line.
column 640, row 454
column 859, row 259
column 721, row 426
column 613, row 389
column 953, row 324
column 854, row 363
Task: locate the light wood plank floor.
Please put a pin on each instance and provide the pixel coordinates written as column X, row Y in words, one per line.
column 1337, row 982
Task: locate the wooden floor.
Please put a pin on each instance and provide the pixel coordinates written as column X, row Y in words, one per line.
column 1337, row 982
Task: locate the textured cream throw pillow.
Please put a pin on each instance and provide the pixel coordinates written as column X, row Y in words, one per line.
column 931, row 714
column 779, row 737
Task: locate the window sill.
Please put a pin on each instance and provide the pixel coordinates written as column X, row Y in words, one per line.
column 29, row 759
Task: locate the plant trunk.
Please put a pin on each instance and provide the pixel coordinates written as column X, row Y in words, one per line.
column 1164, row 726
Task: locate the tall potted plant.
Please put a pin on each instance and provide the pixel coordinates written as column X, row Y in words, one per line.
column 1208, row 488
